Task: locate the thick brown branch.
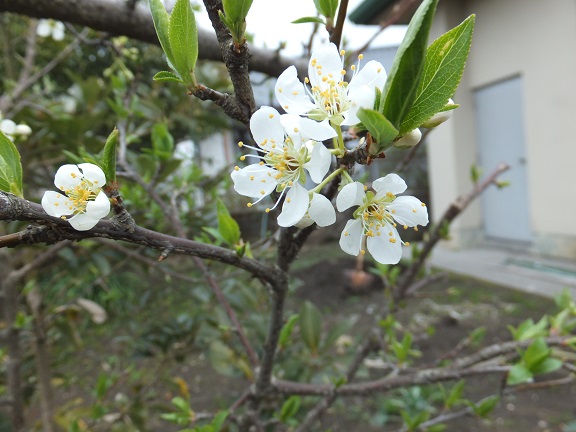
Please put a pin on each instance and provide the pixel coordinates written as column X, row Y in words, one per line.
column 336, row 35
column 116, row 17
column 236, row 58
column 51, row 230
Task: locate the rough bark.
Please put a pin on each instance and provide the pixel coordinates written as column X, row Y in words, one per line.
column 118, row 18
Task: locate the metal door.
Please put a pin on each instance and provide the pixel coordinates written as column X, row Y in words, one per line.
column 500, row 138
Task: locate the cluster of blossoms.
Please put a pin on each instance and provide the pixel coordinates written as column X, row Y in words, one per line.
column 50, row 28
column 290, row 154
column 13, row 130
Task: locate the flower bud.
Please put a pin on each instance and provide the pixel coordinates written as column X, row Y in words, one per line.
column 409, row 139
column 22, row 129
column 439, row 117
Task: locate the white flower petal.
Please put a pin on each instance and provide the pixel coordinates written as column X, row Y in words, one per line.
column 409, row 211
column 384, row 248
column 67, row 177
column 363, row 97
column 318, row 131
column 7, row 126
column 266, row 127
column 100, row 207
column 292, row 127
column 291, row 94
column 305, row 222
column 372, row 75
column 93, row 173
column 319, row 162
column 83, row 222
column 409, row 139
column 351, row 195
column 58, row 31
column 23, row 129
column 325, row 60
column 44, row 28
column 254, row 181
column 321, row 210
column 55, row 204
column 294, row 207
column 351, row 237
column 391, row 183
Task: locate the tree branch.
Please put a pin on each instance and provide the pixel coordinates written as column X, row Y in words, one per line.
column 50, row 230
column 117, row 18
column 467, row 366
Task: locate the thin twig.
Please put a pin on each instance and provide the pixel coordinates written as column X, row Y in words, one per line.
column 457, row 207
column 320, row 408
column 336, row 36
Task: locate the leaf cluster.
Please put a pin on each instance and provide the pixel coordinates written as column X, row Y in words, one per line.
column 421, row 79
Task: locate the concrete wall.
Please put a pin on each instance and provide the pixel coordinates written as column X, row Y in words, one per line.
column 537, row 41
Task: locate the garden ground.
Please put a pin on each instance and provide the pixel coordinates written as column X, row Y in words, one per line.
column 442, row 315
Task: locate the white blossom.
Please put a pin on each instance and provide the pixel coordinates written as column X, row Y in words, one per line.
column 378, row 216
column 84, row 202
column 50, row 28
column 287, row 149
column 329, row 96
column 13, row 130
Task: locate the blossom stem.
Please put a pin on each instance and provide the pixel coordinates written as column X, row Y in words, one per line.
column 327, row 180
column 340, row 138
column 347, row 177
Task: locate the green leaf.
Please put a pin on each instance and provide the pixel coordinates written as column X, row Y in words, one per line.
column 382, row 131
column 109, row 156
column 308, row 20
column 548, row 365
column 402, row 84
column 519, row 374
column 335, row 332
column 536, row 353
column 162, row 141
column 326, row 8
column 290, row 408
column 167, row 76
column 219, row 420
column 486, row 405
column 227, row 226
column 10, row 167
column 181, row 403
column 443, row 68
column 528, row 330
column 183, row 36
column 162, row 25
column 455, row 395
column 287, row 329
column 236, row 10
column 310, row 326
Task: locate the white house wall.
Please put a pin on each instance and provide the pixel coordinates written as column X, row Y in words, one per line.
column 537, row 41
